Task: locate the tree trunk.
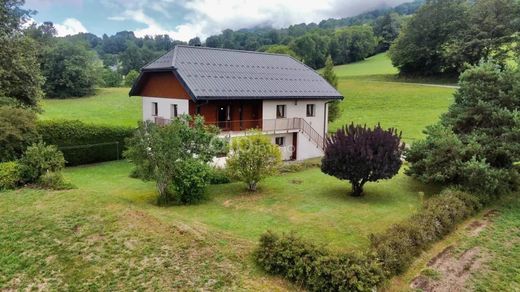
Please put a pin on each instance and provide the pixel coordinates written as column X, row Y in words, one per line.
column 357, row 189
column 252, row 186
column 163, row 198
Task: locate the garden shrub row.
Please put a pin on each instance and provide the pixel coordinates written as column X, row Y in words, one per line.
column 390, row 253
column 316, row 268
column 83, row 143
column 10, row 175
column 397, row 247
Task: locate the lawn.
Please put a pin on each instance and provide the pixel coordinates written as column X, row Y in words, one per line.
column 110, row 106
column 108, row 233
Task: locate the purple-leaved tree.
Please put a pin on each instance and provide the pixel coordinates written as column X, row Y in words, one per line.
column 360, row 155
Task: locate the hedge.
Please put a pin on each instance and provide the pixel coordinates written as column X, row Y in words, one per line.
column 316, row 268
column 390, row 253
column 83, row 143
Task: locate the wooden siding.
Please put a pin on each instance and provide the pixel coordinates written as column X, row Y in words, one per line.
column 162, row 84
column 244, row 114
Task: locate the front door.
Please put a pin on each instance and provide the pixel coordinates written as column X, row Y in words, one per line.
column 224, row 116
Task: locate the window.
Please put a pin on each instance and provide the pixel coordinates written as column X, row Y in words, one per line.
column 280, row 111
column 174, row 111
column 155, row 109
column 311, row 110
column 280, row 141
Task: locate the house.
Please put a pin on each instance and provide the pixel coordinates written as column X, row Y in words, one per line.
column 239, row 91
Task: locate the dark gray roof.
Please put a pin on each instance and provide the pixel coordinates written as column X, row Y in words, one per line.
column 210, row 73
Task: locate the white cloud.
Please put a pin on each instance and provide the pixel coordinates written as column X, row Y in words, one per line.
column 207, row 17
column 70, row 26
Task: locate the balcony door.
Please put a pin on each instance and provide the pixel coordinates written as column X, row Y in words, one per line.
column 224, row 116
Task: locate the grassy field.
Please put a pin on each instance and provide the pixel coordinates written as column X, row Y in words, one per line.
column 108, row 233
column 110, row 106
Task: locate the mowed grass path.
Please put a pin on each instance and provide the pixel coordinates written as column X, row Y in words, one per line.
column 110, row 106
column 108, row 234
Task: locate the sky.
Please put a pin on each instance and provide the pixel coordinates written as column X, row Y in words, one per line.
column 185, row 19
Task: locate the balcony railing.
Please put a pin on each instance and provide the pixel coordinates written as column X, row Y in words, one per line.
column 270, row 126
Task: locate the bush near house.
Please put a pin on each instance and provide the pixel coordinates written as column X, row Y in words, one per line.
column 252, row 158
column 39, row 159
column 176, row 156
column 83, row 143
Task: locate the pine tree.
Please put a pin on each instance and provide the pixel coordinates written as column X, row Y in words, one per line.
column 329, row 75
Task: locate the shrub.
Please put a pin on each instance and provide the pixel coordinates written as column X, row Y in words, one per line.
column 10, row 175
column 175, row 156
column 218, row 176
column 478, row 177
column 17, row 131
column 397, row 247
column 252, row 158
column 39, row 159
column 83, row 143
column 191, row 181
column 360, row 155
column 54, row 181
column 314, row 267
column 131, row 77
column 298, row 166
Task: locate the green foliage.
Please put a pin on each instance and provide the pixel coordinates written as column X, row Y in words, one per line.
column 314, row 267
column 190, row 182
column 281, row 49
column 17, row 131
column 53, row 181
column 175, row 156
column 418, row 49
column 354, row 43
column 329, row 75
column 399, row 245
column 70, row 70
column 134, row 57
column 40, row 158
column 445, row 35
column 131, row 77
column 218, row 176
column 10, row 175
column 438, row 158
column 478, row 139
column 252, row 158
column 83, row 143
column 112, row 78
column 20, row 77
column 386, row 29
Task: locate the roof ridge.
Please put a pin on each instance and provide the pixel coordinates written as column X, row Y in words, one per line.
column 234, row 50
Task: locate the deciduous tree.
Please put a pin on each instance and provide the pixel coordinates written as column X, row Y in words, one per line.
column 360, row 155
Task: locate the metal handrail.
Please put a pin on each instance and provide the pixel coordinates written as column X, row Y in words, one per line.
column 265, row 125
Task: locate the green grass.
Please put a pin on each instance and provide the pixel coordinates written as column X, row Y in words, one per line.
column 110, row 106
column 407, row 107
column 376, row 65
column 108, row 233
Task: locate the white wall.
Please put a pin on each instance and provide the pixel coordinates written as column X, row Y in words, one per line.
column 287, row 149
column 298, row 109
column 164, row 106
column 307, row 149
